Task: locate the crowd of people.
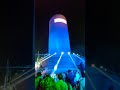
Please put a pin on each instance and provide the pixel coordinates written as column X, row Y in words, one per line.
column 70, row 80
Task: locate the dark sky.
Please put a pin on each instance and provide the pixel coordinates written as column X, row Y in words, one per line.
column 16, row 32
column 99, row 18
column 101, row 34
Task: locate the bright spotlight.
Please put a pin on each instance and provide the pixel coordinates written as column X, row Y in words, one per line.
column 73, row 53
column 62, row 52
column 69, row 53
column 77, row 54
column 55, row 53
column 55, row 67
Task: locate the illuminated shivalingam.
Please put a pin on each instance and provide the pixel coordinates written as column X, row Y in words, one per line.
column 61, row 58
column 58, row 35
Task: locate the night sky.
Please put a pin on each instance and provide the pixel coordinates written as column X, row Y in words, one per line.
column 16, row 32
column 101, row 35
column 101, row 39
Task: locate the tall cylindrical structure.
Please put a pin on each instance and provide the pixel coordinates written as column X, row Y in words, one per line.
column 58, row 35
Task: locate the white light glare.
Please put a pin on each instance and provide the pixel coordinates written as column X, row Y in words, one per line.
column 55, row 67
column 55, row 53
column 60, row 20
column 73, row 53
column 69, row 53
column 62, row 52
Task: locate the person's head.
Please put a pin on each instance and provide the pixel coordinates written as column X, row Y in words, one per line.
column 39, row 74
column 67, row 80
column 60, row 76
column 47, row 75
column 69, row 70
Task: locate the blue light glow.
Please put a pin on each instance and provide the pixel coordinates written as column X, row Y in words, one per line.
column 60, row 58
column 56, row 65
column 58, row 36
column 79, row 58
column 62, row 52
column 73, row 62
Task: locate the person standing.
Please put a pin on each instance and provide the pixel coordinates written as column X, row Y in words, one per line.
column 61, row 84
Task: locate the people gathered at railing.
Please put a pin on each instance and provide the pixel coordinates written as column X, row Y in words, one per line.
column 70, row 80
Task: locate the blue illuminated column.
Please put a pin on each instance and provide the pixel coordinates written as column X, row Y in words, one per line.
column 58, row 35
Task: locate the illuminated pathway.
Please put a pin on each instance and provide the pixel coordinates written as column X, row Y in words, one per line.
column 60, row 62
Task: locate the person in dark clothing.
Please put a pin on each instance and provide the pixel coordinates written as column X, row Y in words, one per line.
column 70, row 76
column 82, row 69
column 68, row 84
column 37, row 80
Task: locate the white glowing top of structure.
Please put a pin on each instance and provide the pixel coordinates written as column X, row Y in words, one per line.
column 60, row 20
